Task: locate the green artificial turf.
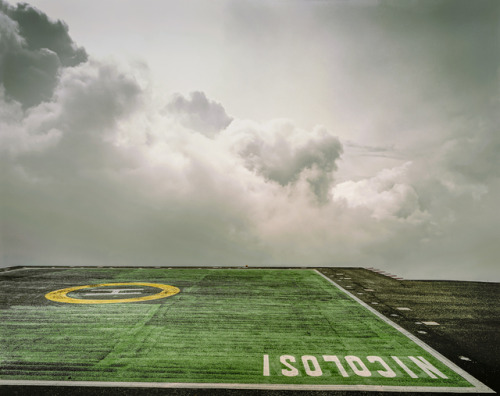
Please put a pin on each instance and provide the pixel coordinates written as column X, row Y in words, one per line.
column 217, row 329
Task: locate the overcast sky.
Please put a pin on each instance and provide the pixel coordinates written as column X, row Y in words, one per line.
column 264, row 133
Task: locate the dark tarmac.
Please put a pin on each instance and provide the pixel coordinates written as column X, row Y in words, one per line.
column 460, row 320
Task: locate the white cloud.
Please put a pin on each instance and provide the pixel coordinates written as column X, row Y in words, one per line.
column 385, row 195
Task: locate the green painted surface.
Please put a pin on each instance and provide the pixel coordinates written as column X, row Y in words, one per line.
column 217, row 329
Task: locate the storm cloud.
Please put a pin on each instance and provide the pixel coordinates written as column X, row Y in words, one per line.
column 33, row 49
column 400, row 169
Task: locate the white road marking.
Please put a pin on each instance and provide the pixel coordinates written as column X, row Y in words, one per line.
column 214, row 385
column 431, row 323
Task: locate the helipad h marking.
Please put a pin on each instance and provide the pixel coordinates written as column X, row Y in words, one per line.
column 115, row 292
column 61, row 295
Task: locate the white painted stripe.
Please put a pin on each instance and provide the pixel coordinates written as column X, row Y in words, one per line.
column 266, row 366
column 214, row 385
column 431, row 323
column 479, row 386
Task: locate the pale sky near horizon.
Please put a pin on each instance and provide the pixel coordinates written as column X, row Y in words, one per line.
column 237, row 132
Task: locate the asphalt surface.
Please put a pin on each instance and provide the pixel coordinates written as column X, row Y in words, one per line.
column 460, row 320
column 467, row 313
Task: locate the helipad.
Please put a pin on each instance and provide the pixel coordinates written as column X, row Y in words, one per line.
column 292, row 329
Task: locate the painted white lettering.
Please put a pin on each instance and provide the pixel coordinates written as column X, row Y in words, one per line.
column 292, row 371
column 404, row 367
column 316, row 371
column 388, row 373
column 428, row 368
column 354, row 362
column 266, row 366
column 335, row 359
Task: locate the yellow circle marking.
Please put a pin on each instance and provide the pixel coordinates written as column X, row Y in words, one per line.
column 61, row 295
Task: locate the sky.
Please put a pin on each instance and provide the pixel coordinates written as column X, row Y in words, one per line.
column 356, row 133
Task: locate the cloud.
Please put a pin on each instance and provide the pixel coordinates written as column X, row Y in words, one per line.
column 387, row 194
column 98, row 170
column 75, row 128
column 198, row 113
column 281, row 152
column 33, row 49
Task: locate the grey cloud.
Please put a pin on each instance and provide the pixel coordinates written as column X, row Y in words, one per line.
column 80, row 190
column 96, row 174
column 33, row 49
column 386, row 71
column 86, row 105
column 40, row 32
column 282, row 152
column 199, row 113
column 473, row 151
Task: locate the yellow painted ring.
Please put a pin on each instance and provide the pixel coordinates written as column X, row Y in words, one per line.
column 61, row 295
